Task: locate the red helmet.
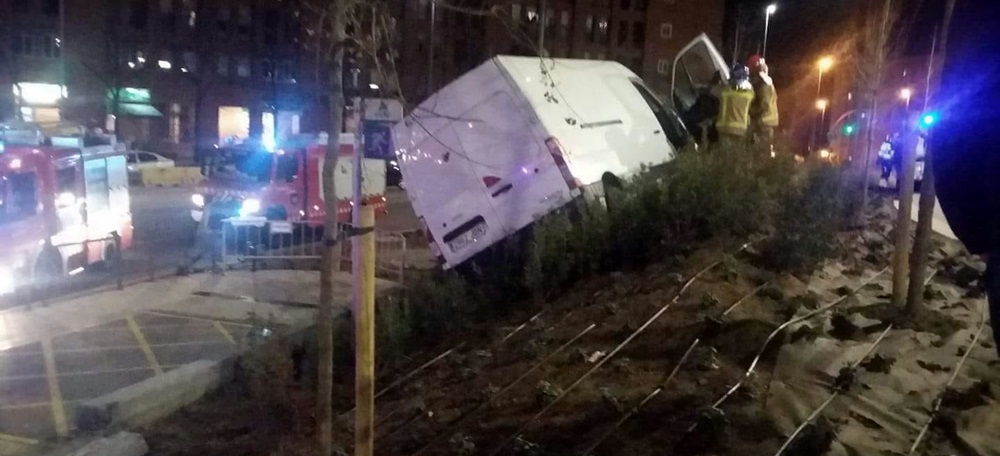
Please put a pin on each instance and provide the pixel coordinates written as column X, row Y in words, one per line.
column 754, row 62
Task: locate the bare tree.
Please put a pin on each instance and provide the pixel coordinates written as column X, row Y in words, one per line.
column 925, row 214
column 327, row 33
column 874, row 49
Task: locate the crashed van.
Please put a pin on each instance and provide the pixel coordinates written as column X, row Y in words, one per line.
column 519, row 137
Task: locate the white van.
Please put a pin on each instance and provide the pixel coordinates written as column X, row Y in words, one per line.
column 519, row 137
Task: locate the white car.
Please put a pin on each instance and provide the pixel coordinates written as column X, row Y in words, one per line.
column 518, row 137
column 139, row 160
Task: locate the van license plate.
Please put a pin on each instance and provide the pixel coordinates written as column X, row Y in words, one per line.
column 467, row 237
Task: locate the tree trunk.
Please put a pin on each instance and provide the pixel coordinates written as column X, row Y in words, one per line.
column 874, row 82
column 901, row 254
column 331, row 252
column 928, row 197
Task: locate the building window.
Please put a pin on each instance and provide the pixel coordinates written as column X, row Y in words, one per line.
column 564, row 19
column 666, row 30
column 663, row 66
column 602, row 31
column 243, row 67
column 515, row 12
column 266, row 70
column 175, row 123
column 190, row 62
column 22, row 44
column 190, row 13
column 222, row 66
column 139, row 14
column 550, row 21
column 223, row 16
column 639, row 34
column 271, row 19
column 245, row 18
column 532, row 14
column 49, row 8
column 589, row 28
column 622, row 33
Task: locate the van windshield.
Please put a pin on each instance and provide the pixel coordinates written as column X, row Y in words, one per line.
column 18, row 197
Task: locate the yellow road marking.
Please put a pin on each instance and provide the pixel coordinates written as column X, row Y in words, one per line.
column 18, row 439
column 58, row 409
column 144, row 345
column 224, row 331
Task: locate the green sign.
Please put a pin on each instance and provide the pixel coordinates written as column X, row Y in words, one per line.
column 131, row 95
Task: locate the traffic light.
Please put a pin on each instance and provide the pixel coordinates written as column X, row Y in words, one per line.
column 928, row 119
column 848, row 129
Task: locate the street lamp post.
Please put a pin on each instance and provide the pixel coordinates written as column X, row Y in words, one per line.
column 905, row 94
column 823, row 64
column 767, row 23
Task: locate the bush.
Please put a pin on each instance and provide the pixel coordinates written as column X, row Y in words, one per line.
column 658, row 213
column 806, row 228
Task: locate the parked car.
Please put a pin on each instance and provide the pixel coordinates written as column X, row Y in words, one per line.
column 519, row 137
column 140, row 160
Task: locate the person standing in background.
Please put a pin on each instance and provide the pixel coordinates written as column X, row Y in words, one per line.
column 733, row 120
column 764, row 110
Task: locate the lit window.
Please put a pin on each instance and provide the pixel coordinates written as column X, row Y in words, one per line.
column 532, row 14
column 164, row 64
column 515, row 12
column 666, row 30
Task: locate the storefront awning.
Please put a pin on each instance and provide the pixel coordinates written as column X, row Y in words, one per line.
column 138, row 110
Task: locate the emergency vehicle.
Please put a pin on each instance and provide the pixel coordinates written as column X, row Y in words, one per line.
column 256, row 185
column 59, row 205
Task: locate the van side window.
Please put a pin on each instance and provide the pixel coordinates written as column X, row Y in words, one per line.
column 668, row 119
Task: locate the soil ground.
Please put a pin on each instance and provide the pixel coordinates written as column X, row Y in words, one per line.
column 463, row 388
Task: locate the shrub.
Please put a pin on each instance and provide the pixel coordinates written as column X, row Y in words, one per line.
column 806, row 227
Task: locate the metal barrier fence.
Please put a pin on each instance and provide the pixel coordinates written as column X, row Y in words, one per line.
column 254, row 241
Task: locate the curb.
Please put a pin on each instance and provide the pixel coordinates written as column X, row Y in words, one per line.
column 152, row 399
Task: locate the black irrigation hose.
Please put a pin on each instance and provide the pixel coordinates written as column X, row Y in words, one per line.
column 812, row 416
column 442, row 356
column 659, row 389
column 663, row 385
column 457, row 424
column 779, row 329
column 954, row 375
column 610, row 355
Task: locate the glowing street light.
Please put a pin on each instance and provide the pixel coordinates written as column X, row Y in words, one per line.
column 905, row 94
column 822, row 103
column 767, row 22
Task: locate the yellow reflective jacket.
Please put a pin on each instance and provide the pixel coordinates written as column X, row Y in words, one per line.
column 734, row 111
column 765, row 111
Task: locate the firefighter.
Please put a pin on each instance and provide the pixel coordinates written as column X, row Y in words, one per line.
column 764, row 110
column 733, row 119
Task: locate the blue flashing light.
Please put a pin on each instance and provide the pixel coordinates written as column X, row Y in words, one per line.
column 928, row 119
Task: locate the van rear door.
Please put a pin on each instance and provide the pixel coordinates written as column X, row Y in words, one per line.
column 518, row 175
column 694, row 69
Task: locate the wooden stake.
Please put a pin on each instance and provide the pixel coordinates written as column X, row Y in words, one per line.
column 364, row 330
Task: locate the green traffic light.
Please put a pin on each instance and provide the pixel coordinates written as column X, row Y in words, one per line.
column 848, row 130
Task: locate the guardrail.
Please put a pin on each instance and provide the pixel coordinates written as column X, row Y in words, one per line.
column 258, row 240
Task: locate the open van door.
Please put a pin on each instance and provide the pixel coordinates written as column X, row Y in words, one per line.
column 694, row 70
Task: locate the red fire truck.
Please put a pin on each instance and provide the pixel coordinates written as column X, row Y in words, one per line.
column 59, row 205
column 256, row 184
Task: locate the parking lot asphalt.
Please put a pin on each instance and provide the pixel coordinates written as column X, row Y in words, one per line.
column 41, row 382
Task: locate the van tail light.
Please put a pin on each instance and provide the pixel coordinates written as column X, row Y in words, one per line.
column 490, row 181
column 558, row 153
